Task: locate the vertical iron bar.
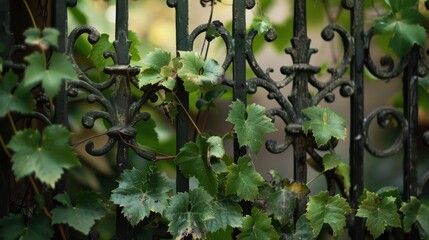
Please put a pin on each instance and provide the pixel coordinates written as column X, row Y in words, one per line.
column 124, row 230
column 300, row 95
column 6, row 38
column 239, row 63
column 356, row 150
column 182, row 121
column 410, row 92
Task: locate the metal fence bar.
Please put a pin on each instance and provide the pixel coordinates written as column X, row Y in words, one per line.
column 356, row 150
column 239, row 60
column 182, row 121
column 410, row 93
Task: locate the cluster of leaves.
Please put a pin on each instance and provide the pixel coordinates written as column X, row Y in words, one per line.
column 43, row 155
column 403, row 24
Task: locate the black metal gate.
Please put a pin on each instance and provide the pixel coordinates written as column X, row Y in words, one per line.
column 122, row 109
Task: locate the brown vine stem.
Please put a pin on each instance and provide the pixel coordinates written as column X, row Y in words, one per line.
column 187, row 113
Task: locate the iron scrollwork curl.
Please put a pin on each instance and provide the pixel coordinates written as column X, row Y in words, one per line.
column 386, row 117
column 291, row 107
column 122, row 109
column 389, row 68
column 224, row 34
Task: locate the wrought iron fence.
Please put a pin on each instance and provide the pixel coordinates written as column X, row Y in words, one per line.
column 121, row 109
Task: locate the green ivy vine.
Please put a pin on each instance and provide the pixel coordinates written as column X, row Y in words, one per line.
column 210, row 210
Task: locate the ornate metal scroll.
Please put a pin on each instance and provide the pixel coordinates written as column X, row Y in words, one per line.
column 121, row 109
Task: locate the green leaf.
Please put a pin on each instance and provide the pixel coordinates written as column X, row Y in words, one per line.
column 379, row 213
column 193, row 162
column 332, row 210
column 257, row 227
column 414, row 211
column 135, row 41
column 97, row 51
column 250, row 124
column 19, row 100
column 216, row 148
column 243, row 180
column 60, row 69
column 331, row 161
column 44, row 39
column 281, row 205
column 45, row 156
column 189, row 212
column 157, row 59
column 12, row 227
column 83, row 215
column 302, row 229
column 262, row 24
column 324, row 123
column 140, row 193
column 156, row 68
column 198, row 74
column 402, row 24
column 226, row 213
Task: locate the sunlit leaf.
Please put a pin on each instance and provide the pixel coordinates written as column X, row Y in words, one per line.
column 262, row 24
column 216, row 148
column 199, row 74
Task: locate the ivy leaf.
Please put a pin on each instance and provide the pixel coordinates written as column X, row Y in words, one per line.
column 402, row 23
column 197, row 73
column 45, row 155
column 380, row 213
column 332, row 210
column 216, row 148
column 302, row 229
column 243, row 179
column 262, row 24
column 19, row 100
column 414, row 211
column 333, row 161
column 60, row 69
column 281, row 205
column 188, row 213
column 250, row 124
column 83, row 215
column 257, row 227
column 297, row 187
column 155, row 68
column 135, row 41
column 12, row 227
column 226, row 213
column 324, row 123
column 96, row 55
column 193, row 162
column 44, row 39
column 140, row 193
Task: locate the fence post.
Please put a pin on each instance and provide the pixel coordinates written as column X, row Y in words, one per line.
column 356, row 151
